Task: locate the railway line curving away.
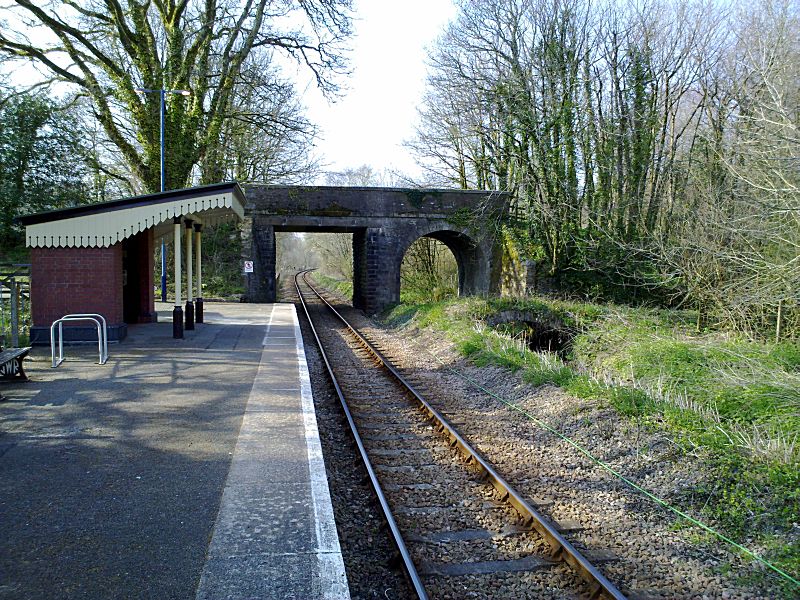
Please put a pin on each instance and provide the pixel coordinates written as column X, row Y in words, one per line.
column 458, row 528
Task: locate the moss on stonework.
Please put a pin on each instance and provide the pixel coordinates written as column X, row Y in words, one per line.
column 295, row 193
column 417, row 197
column 461, row 218
column 283, row 212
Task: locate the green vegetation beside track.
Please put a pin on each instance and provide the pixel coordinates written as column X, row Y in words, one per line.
column 729, row 401
column 342, row 288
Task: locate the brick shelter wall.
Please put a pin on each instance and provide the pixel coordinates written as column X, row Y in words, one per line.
column 76, row 280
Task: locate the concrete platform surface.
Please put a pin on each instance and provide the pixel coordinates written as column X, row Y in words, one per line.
column 180, row 469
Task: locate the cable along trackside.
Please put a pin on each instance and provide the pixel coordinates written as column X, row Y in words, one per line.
column 421, row 497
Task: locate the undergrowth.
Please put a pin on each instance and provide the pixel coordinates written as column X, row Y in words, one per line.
column 343, row 288
column 733, row 401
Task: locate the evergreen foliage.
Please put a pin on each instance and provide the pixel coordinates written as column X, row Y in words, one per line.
column 43, row 164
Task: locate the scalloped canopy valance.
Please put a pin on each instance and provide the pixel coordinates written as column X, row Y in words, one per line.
column 107, row 223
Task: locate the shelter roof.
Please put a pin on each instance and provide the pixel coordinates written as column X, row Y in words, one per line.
column 106, row 223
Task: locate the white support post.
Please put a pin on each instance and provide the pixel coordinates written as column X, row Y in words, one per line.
column 189, row 282
column 199, row 265
column 177, row 312
column 189, row 310
column 198, row 303
column 178, row 240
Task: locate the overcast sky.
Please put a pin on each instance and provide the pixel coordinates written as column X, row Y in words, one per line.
column 378, row 111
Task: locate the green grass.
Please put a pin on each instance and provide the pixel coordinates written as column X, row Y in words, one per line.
column 654, row 355
column 743, row 382
column 343, row 288
column 733, row 401
column 420, row 294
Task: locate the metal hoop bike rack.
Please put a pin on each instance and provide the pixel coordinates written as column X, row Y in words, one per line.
column 102, row 336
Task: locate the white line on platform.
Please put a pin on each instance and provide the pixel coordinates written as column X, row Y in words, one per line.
column 242, row 512
column 269, row 326
column 331, row 564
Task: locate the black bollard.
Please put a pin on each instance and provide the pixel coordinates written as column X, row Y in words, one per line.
column 177, row 323
column 189, row 316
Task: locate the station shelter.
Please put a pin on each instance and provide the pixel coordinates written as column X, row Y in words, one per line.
column 99, row 258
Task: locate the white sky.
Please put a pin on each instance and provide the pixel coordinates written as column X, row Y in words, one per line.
column 377, row 112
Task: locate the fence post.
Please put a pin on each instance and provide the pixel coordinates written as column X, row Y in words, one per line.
column 14, row 313
column 2, row 317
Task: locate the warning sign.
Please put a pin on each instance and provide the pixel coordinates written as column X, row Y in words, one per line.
column 248, row 266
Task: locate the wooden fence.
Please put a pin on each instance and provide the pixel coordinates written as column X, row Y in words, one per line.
column 15, row 304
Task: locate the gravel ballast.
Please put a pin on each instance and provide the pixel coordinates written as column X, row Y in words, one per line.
column 654, row 555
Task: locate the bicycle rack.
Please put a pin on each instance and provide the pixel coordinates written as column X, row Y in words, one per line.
column 102, row 336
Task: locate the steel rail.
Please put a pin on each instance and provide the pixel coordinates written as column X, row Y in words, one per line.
column 408, row 564
column 562, row 549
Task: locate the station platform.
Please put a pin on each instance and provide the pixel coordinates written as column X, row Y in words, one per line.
column 180, row 469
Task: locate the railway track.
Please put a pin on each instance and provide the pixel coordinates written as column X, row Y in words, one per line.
column 460, row 529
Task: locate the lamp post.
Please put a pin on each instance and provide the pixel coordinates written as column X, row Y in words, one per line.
column 163, row 93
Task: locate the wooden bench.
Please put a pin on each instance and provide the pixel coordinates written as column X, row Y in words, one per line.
column 11, row 363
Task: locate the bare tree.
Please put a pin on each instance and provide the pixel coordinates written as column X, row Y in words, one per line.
column 109, row 48
column 362, row 176
column 336, row 253
column 748, row 246
column 265, row 136
column 599, row 119
column 428, row 272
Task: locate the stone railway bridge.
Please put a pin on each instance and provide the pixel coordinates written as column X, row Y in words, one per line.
column 384, row 223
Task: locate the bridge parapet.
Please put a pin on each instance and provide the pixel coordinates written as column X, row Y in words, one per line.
column 367, row 202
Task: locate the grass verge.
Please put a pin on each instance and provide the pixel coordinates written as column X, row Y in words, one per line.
column 343, row 288
column 729, row 400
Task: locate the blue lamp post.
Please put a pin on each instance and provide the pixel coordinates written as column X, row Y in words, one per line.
column 163, row 94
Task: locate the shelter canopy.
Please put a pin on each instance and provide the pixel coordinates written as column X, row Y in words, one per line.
column 107, row 223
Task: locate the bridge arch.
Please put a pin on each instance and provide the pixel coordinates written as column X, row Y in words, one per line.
column 466, row 250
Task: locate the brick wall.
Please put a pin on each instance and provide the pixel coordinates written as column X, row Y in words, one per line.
column 310, row 202
column 360, row 283
column 76, row 280
column 384, row 223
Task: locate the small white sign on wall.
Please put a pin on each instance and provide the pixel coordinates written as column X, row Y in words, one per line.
column 248, row 266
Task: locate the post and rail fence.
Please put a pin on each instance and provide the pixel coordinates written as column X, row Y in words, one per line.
column 15, row 303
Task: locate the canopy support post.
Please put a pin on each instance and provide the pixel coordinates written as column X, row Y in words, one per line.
column 189, row 312
column 177, row 312
column 198, row 301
